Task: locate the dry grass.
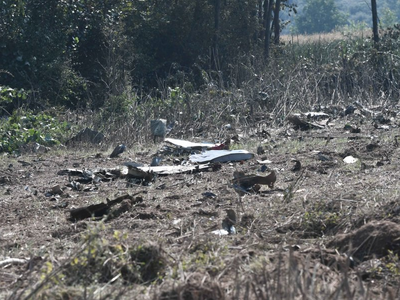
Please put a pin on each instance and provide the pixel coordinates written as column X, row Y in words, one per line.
column 286, row 246
column 163, row 248
column 324, row 37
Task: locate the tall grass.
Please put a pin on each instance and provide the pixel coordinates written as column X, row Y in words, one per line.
column 304, row 73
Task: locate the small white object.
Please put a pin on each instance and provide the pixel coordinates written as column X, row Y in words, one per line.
column 262, row 162
column 176, row 221
column 350, row 159
column 220, row 232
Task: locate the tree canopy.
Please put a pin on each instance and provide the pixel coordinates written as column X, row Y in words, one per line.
column 70, row 50
column 319, row 16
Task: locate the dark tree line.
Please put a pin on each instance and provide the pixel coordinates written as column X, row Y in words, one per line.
column 69, row 51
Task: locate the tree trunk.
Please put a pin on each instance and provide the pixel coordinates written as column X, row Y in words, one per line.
column 260, row 19
column 260, row 9
column 277, row 29
column 217, row 9
column 374, row 21
column 267, row 24
column 214, row 50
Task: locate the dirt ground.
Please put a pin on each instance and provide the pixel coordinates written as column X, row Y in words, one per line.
column 327, row 229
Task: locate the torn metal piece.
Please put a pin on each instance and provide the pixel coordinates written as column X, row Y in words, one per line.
column 247, row 182
column 221, row 156
column 169, row 170
column 118, row 150
column 190, row 145
column 101, row 209
column 138, row 172
column 300, row 123
column 297, row 165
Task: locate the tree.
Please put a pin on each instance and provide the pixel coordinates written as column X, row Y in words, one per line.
column 267, row 23
column 374, row 21
column 272, row 25
column 319, row 16
column 214, row 52
column 73, row 52
column 277, row 27
column 388, row 17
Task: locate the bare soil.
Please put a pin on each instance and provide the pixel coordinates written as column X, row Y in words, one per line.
column 328, row 230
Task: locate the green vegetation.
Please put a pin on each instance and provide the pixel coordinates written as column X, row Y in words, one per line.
column 26, row 127
column 355, row 12
column 121, row 63
column 319, row 16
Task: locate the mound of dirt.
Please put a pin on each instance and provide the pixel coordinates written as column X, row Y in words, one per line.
column 374, row 239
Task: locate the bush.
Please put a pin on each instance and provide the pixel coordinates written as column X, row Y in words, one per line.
column 26, row 127
column 11, row 99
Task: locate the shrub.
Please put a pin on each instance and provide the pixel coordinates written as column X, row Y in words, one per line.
column 23, row 128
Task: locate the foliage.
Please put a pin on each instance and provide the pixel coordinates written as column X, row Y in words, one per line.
column 76, row 53
column 11, row 98
column 319, row 16
column 321, row 218
column 392, row 263
column 388, row 18
column 353, row 28
column 131, row 61
column 359, row 11
column 23, row 128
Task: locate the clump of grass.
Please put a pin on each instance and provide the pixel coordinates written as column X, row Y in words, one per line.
column 322, row 218
column 101, row 261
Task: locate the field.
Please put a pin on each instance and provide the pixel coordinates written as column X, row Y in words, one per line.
column 313, row 214
column 324, row 37
column 328, row 229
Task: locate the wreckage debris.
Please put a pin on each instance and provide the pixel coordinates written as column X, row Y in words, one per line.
column 350, row 109
column 323, row 157
column 209, row 195
column 61, row 205
column 301, row 121
column 260, row 150
column 371, row 147
column 297, row 166
column 250, row 180
column 179, row 147
column 351, row 129
column 101, row 209
column 56, row 190
column 158, row 129
column 249, row 183
column 118, row 150
column 156, row 161
column 229, row 221
column 350, row 159
column 221, row 156
column 223, row 146
column 187, row 145
column 136, row 172
column 5, row 179
column 95, row 176
column 145, row 172
column 228, row 224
